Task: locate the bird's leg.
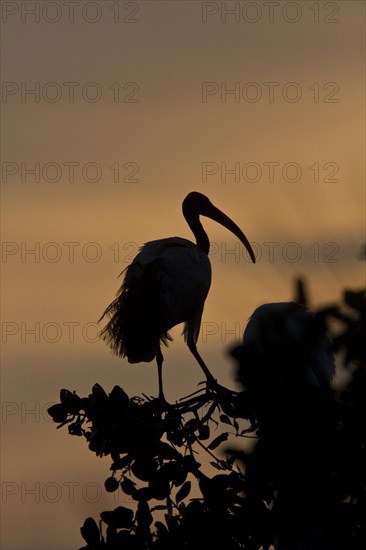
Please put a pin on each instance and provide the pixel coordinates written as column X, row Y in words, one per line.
column 193, row 349
column 159, row 361
column 211, row 382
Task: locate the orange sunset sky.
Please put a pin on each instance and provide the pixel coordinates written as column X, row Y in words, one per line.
column 112, row 112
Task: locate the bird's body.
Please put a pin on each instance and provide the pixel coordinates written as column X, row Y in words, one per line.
column 165, row 285
column 286, row 333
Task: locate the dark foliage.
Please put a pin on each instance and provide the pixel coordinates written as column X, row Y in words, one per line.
column 308, row 464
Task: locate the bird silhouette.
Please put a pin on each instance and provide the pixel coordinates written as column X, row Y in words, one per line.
column 286, row 367
column 165, row 285
column 288, row 344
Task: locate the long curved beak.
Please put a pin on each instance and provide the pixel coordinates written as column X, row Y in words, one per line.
column 221, row 218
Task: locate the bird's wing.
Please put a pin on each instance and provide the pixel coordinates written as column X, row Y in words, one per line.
column 165, row 285
column 183, row 278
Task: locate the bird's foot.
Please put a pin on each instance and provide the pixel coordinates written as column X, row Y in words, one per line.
column 162, row 403
column 212, row 386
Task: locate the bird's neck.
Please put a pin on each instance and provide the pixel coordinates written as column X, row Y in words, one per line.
column 200, row 234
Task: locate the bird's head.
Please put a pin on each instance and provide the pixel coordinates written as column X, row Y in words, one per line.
column 196, row 204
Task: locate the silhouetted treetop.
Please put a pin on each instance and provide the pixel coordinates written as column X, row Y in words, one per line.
column 305, row 475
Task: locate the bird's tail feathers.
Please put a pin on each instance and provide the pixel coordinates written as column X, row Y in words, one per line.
column 134, row 329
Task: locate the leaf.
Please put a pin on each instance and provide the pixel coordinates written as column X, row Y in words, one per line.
column 171, row 471
column 99, row 394
column 107, row 517
column 176, row 437
column 190, row 464
column 75, row 428
column 167, row 452
column 90, row 532
column 58, row 412
column 143, row 514
column 180, row 476
column 218, row 440
column 121, row 462
column 143, row 494
column 183, row 491
column 225, row 419
column 144, row 469
column 161, row 529
column 120, row 518
column 64, row 395
column 119, row 399
column 159, row 484
column 222, row 481
column 111, row 484
column 204, row 432
column 192, row 425
column 128, row 486
column 71, row 401
column 227, row 407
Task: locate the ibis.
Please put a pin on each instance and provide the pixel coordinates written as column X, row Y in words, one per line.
column 166, row 284
column 286, row 367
